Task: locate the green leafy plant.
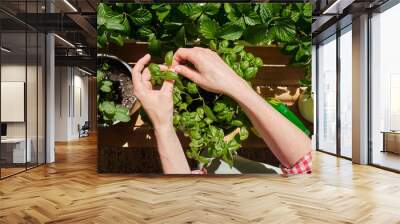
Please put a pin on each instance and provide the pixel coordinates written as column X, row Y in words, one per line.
column 225, row 28
column 206, row 117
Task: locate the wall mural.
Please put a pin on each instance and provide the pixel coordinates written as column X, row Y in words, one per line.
column 193, row 48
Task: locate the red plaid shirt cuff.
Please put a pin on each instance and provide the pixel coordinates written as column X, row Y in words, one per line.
column 303, row 166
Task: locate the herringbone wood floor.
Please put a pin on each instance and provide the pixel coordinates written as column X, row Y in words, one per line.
column 70, row 191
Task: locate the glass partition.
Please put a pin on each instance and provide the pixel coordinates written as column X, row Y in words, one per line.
column 22, row 88
column 346, row 92
column 385, row 89
column 15, row 149
column 327, row 95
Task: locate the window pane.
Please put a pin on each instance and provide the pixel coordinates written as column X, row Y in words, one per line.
column 385, row 84
column 346, row 93
column 327, row 96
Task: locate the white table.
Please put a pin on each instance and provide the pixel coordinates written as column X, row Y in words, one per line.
column 18, row 148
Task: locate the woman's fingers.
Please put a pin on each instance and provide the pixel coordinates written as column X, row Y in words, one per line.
column 146, row 76
column 164, row 68
column 185, row 54
column 187, row 72
column 137, row 71
column 167, row 87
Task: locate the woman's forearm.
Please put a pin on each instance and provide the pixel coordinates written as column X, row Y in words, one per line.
column 285, row 140
column 172, row 157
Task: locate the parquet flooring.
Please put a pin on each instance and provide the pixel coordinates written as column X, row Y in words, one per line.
column 70, row 191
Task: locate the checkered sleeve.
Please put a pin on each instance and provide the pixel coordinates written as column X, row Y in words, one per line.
column 201, row 171
column 303, row 166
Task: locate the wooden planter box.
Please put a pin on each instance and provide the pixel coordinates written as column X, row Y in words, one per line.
column 124, row 150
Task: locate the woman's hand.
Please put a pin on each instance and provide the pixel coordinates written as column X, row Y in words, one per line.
column 210, row 73
column 157, row 103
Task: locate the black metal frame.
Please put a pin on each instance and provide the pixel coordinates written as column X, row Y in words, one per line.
column 44, row 71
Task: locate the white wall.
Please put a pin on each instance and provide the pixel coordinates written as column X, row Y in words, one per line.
column 16, row 73
column 71, row 102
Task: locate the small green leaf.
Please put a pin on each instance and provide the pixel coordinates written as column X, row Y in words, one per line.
column 219, row 106
column 236, row 123
column 244, row 133
column 121, row 114
column 192, row 88
column 108, row 107
column 100, row 76
column 209, row 113
column 106, row 86
column 168, row 58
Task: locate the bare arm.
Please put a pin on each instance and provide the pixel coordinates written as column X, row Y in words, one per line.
column 159, row 107
column 284, row 139
column 287, row 142
column 173, row 159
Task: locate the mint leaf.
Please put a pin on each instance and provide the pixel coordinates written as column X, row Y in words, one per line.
column 307, row 10
column 145, row 32
column 162, row 10
column 209, row 28
column 101, row 40
column 114, row 23
column 252, row 19
column 269, row 10
column 230, row 31
column 180, row 38
column 141, row 16
column 283, row 31
column 154, row 45
column 295, row 16
column 192, row 10
column 244, row 8
column 211, row 8
column 117, row 39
